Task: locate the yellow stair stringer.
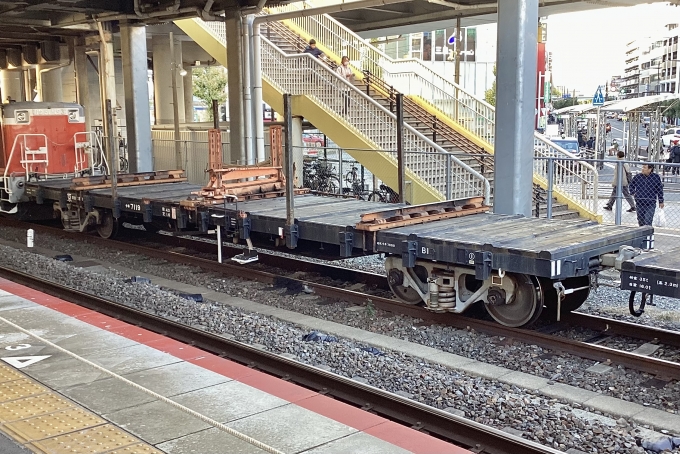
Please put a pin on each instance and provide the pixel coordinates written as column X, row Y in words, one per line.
column 343, row 134
column 537, row 179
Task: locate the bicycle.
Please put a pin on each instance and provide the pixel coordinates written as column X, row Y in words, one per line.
column 357, row 185
column 384, row 195
column 320, row 177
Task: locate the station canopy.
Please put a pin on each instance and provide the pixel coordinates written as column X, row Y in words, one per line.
column 644, row 104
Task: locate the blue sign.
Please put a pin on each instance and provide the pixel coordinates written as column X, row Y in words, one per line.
column 598, row 99
column 566, row 95
column 452, row 39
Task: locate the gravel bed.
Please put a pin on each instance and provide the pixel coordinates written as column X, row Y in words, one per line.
column 618, row 382
column 546, row 421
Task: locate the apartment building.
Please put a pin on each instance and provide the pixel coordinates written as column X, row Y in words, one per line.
column 651, row 64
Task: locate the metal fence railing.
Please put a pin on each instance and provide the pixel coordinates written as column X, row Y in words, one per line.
column 649, row 193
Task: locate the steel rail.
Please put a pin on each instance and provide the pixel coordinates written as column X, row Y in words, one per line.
column 585, row 350
column 467, row 433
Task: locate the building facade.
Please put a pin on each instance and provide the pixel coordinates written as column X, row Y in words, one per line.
column 651, row 64
column 436, row 49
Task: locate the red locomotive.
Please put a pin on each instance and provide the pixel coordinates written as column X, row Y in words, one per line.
column 40, row 140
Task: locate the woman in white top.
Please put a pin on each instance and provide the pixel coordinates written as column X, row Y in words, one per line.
column 346, row 73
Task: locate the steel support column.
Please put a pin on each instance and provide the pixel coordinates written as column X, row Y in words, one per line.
column 82, row 82
column 135, row 81
column 515, row 93
column 235, row 59
column 257, row 94
column 107, row 85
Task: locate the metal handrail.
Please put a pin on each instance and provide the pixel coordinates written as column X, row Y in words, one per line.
column 576, row 179
column 453, row 100
column 302, row 74
column 412, row 77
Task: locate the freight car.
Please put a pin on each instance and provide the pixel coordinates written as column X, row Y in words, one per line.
column 447, row 256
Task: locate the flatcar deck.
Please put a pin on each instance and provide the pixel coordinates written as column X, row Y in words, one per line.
column 533, row 246
column 539, row 247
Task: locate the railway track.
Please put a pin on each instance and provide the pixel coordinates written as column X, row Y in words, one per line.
column 457, row 430
column 272, row 274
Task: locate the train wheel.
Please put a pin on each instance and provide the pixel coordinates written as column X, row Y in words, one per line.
column 395, row 279
column 109, row 226
column 525, row 308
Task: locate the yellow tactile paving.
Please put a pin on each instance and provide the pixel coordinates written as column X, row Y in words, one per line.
column 18, row 389
column 29, row 407
column 48, row 423
column 101, row 439
column 52, row 425
column 9, row 374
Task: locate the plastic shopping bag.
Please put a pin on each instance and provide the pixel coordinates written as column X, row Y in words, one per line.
column 659, row 218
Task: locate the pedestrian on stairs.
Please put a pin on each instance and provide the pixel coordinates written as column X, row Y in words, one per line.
column 312, row 49
column 626, row 177
column 346, row 73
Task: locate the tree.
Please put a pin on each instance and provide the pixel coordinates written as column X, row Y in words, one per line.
column 210, row 83
column 490, row 94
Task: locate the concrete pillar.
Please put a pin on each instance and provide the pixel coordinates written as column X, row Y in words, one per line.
column 235, row 90
column 107, row 83
column 50, row 85
column 188, row 83
column 298, row 149
column 11, row 85
column 162, row 79
column 137, row 119
column 82, row 83
column 515, row 96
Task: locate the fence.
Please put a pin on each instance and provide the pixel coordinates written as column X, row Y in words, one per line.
column 645, row 191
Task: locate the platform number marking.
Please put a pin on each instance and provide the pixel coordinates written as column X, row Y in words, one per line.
column 20, row 362
column 471, row 258
column 13, row 348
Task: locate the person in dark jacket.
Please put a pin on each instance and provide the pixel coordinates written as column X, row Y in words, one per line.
column 675, row 158
column 647, row 188
column 312, row 49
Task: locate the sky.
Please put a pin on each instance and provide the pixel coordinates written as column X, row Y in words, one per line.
column 588, row 47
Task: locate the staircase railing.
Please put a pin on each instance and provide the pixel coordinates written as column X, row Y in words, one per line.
column 302, row 74
column 412, row 77
column 408, row 76
column 577, row 180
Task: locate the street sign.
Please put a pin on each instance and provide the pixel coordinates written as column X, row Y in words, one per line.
column 546, row 91
column 598, row 99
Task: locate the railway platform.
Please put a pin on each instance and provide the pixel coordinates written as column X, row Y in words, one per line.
column 52, row 400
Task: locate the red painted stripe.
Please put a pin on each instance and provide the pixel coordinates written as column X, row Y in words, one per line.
column 371, row 424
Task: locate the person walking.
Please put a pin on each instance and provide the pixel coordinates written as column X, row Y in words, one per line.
column 312, row 49
column 626, row 177
column 346, row 73
column 647, row 188
column 675, row 158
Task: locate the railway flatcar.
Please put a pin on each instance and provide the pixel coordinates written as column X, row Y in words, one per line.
column 447, row 256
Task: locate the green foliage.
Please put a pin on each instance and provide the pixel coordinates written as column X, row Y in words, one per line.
column 210, row 83
column 490, row 94
column 670, row 109
column 561, row 103
column 555, row 92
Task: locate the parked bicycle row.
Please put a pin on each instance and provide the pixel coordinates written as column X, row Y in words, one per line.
column 323, row 175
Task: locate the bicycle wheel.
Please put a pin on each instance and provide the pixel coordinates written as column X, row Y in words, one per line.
column 351, row 176
column 376, row 196
column 333, row 185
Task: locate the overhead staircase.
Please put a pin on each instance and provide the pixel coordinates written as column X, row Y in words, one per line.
column 354, row 121
column 448, row 118
column 443, row 111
